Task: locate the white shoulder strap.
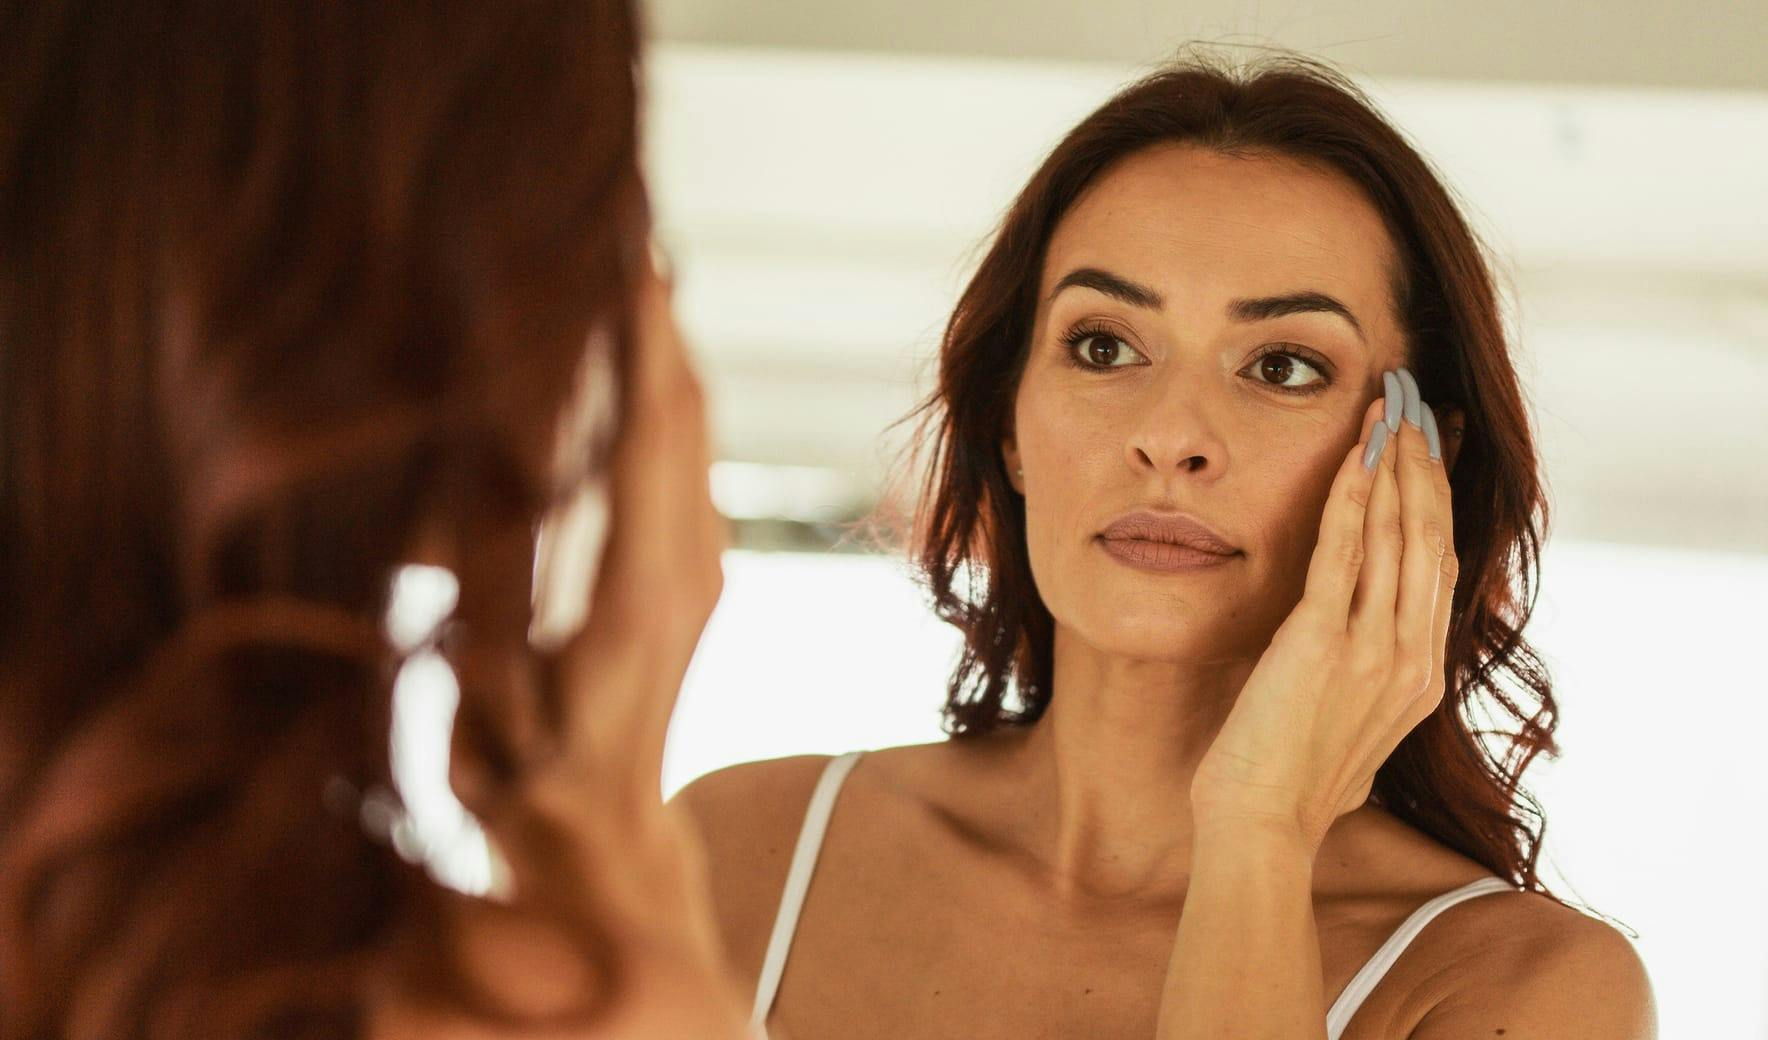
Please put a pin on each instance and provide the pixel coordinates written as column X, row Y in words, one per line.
column 1364, row 982
column 810, row 842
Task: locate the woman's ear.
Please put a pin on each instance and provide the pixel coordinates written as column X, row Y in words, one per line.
column 1451, row 426
column 1010, row 456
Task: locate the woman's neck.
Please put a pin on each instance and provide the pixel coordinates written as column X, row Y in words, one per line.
column 1108, row 767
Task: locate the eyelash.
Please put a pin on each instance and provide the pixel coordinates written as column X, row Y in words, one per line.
column 1083, row 332
column 1080, row 334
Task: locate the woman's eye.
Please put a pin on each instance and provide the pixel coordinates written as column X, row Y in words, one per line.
column 1279, row 368
column 1098, row 350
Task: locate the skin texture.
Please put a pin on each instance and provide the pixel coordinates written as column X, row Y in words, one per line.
column 1033, row 882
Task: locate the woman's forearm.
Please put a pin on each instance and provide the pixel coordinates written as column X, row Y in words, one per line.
column 1246, row 961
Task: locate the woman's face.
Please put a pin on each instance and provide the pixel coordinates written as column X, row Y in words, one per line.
column 1165, row 374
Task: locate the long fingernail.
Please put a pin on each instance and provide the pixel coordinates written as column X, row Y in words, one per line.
column 1390, row 384
column 1430, row 433
column 1377, row 438
column 1414, row 400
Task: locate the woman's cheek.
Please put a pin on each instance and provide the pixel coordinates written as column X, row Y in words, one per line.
column 1293, row 501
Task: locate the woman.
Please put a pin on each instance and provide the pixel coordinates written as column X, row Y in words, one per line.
column 292, row 295
column 1208, row 774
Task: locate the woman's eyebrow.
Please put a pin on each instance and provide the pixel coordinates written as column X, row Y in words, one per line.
column 1263, row 308
column 1257, row 308
column 1115, row 286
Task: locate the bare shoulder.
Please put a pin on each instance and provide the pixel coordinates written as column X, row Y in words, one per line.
column 1500, row 964
column 1527, row 965
column 748, row 816
column 739, row 808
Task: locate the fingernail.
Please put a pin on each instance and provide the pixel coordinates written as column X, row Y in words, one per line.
column 1430, row 433
column 1414, row 400
column 1390, row 384
column 1377, row 439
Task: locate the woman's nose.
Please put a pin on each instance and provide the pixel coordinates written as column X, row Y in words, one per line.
column 1158, row 461
column 1174, row 437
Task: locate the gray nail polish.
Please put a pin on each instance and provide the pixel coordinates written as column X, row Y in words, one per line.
column 1377, row 439
column 1390, row 384
column 1413, row 398
column 1430, row 433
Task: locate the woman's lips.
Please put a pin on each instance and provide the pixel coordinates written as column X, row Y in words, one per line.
column 1161, row 556
column 1174, row 528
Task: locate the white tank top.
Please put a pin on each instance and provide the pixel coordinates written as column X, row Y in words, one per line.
column 810, row 842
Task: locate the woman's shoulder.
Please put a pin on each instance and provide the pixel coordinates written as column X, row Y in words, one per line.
column 1531, row 963
column 749, row 795
column 1496, row 955
column 753, row 810
column 1394, row 866
column 748, row 816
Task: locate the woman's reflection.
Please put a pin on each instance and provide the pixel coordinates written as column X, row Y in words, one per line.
column 1152, row 400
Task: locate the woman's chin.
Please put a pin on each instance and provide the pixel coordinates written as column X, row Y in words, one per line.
column 1164, row 637
column 1135, row 624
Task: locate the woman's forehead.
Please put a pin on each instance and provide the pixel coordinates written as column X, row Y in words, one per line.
column 1195, row 223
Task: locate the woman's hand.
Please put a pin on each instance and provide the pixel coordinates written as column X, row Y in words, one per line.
column 660, row 573
column 592, row 832
column 1359, row 662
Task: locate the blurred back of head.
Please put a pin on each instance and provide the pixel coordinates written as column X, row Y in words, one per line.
column 286, row 290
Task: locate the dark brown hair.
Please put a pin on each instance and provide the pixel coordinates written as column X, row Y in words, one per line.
column 968, row 541
column 286, row 289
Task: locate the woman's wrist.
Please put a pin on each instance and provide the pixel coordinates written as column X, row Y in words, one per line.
column 1255, row 838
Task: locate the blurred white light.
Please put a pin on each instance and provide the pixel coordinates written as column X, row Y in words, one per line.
column 422, row 597
column 748, row 490
column 434, row 829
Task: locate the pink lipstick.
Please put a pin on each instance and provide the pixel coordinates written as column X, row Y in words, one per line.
column 1165, row 542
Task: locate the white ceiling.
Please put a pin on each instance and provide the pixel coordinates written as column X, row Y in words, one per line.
column 824, row 209
column 1618, row 42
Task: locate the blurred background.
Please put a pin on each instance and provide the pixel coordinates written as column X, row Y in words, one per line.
column 826, row 174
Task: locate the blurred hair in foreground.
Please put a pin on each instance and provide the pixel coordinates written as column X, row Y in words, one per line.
column 287, row 292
